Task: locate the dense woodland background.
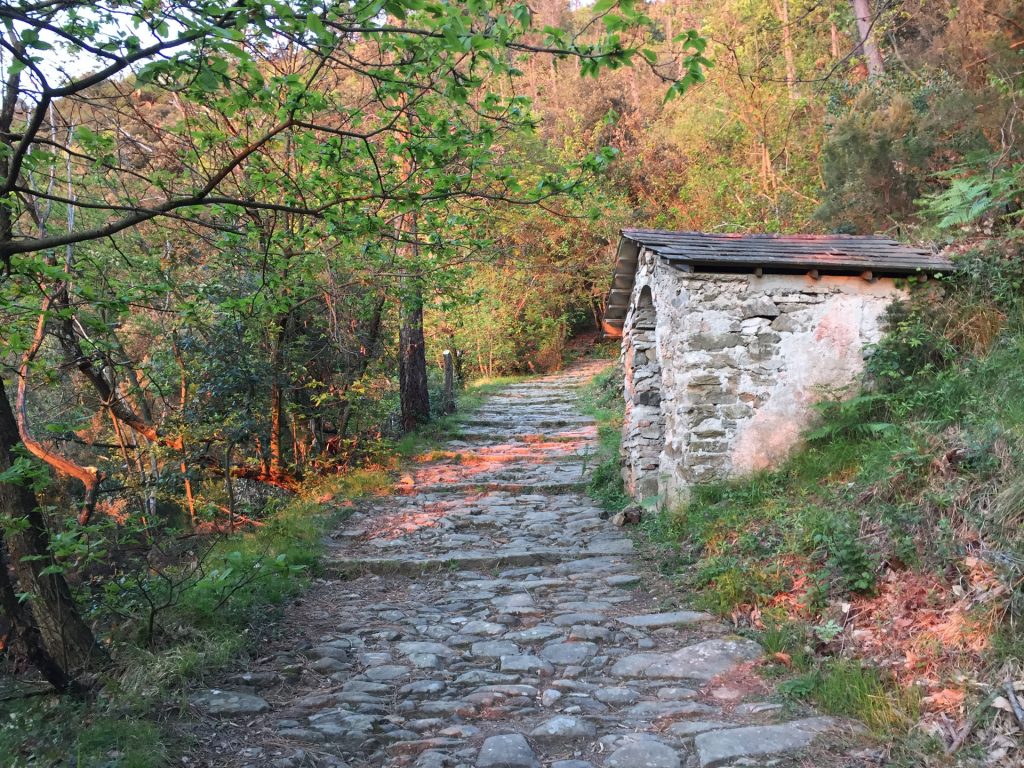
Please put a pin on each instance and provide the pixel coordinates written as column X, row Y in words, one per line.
column 231, row 265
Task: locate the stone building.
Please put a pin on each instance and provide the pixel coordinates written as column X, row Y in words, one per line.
column 729, row 340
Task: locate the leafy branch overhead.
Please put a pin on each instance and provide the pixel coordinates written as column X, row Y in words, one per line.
column 383, row 104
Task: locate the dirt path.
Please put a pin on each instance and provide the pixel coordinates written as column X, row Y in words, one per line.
column 490, row 618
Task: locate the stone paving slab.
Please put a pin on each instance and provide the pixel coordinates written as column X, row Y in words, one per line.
column 488, row 616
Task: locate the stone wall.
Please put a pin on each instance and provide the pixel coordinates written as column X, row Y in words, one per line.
column 741, row 360
column 643, row 432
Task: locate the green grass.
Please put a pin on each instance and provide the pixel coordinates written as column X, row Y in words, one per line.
column 602, row 398
column 34, row 733
column 851, row 689
column 124, row 743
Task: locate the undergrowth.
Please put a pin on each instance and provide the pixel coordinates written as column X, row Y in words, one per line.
column 178, row 624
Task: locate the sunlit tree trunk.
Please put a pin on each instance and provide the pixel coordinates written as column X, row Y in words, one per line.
column 782, row 11
column 866, row 37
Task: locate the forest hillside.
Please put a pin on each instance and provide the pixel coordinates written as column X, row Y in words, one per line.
column 254, row 255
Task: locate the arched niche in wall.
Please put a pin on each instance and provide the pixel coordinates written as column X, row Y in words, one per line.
column 647, row 419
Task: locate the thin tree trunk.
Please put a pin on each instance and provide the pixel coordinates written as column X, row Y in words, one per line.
column 866, row 38
column 67, row 638
column 448, row 397
column 276, row 417
column 412, row 360
column 782, row 11
column 277, row 399
column 229, row 487
column 183, row 404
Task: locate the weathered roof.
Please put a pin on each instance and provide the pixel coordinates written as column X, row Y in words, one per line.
column 870, row 255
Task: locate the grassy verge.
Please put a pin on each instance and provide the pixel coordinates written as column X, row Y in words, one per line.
column 602, row 400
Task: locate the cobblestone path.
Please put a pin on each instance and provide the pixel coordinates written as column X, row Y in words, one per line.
column 489, row 617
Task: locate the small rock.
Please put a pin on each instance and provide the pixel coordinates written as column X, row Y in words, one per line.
column 622, row 580
column 550, row 697
column 643, row 754
column 431, row 759
column 725, row 693
column 617, row 696
column 385, row 672
column 670, row 619
column 256, row 679
column 717, row 748
column 482, row 628
column 330, row 652
column 464, row 731
column 589, row 632
column 328, row 665
column 526, row 663
column 437, row 649
column 562, row 728
column 568, row 653
column 654, row 710
column 631, row 515
column 702, row 661
column 494, row 649
column 218, row 702
column 535, row 634
column 674, row 693
column 425, row 660
column 509, row 750
column 686, row 728
column 756, row 708
column 302, row 734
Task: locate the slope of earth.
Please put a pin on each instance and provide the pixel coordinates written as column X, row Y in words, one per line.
column 489, row 617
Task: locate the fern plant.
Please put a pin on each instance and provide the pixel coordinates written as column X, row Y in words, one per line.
column 976, row 188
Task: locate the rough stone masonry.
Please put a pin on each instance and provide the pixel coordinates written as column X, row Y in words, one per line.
column 725, row 360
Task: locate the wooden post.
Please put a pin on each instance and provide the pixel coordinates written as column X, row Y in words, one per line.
column 448, row 396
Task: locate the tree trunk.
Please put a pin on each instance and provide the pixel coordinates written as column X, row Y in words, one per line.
column 24, row 634
column 67, row 638
column 866, row 37
column 412, row 360
column 276, row 417
column 448, row 396
column 782, row 11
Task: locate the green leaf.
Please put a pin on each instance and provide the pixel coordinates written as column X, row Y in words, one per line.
column 208, row 80
column 315, row 25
